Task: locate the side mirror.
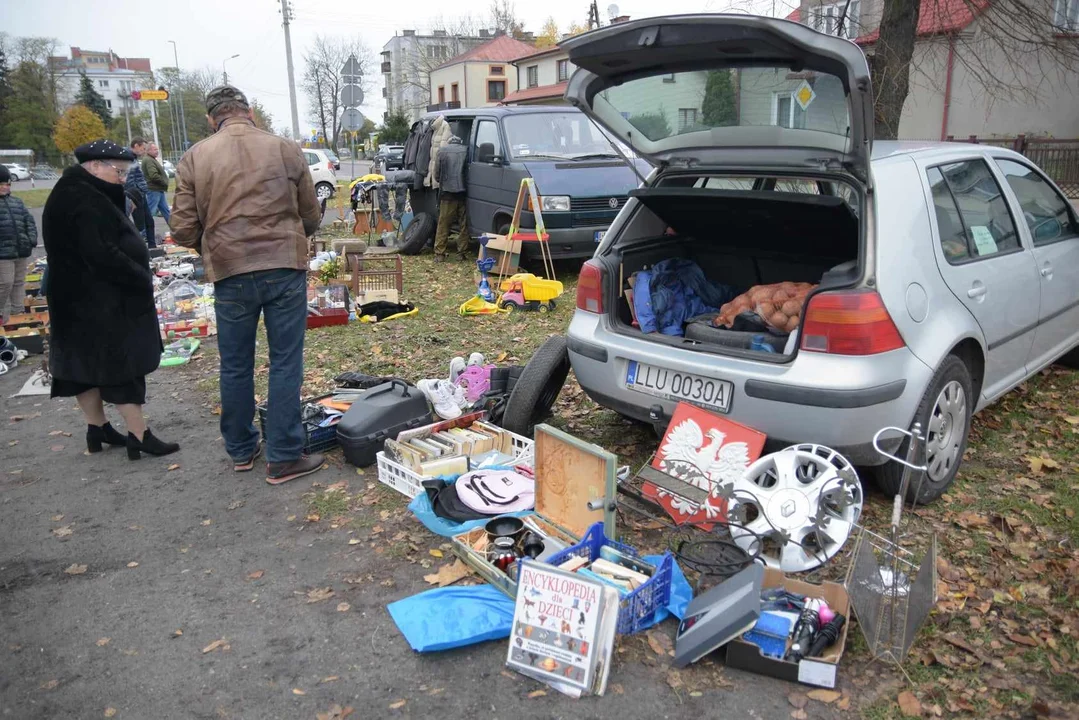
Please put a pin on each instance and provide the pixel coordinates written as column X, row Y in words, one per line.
column 498, row 160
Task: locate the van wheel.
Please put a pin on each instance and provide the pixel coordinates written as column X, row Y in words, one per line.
column 1070, row 359
column 944, row 414
column 538, row 387
column 418, row 232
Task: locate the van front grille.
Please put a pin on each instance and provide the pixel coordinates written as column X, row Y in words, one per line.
column 594, row 204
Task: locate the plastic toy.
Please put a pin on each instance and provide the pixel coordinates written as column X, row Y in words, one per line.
column 525, row 291
column 179, row 352
column 476, row 380
column 476, row 305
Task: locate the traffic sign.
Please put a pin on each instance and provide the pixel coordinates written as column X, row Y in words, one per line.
column 351, row 71
column 351, row 96
column 352, row 120
column 150, row 95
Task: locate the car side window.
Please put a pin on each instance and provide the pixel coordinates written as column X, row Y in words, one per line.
column 488, row 143
column 1047, row 214
column 311, row 158
column 972, row 216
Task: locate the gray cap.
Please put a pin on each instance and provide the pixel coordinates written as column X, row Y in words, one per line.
column 223, row 94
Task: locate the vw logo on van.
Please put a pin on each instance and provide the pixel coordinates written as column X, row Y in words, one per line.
column 613, row 202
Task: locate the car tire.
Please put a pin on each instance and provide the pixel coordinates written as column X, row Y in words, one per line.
column 323, row 191
column 538, row 387
column 417, row 234
column 1070, row 359
column 944, row 413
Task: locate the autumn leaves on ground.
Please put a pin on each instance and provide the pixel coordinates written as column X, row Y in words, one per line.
column 1002, row 640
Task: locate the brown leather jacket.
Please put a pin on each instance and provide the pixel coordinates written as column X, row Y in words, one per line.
column 245, row 201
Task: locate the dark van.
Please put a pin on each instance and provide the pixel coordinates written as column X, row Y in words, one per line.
column 581, row 180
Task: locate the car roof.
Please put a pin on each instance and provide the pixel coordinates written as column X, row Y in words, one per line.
column 504, row 110
column 886, row 149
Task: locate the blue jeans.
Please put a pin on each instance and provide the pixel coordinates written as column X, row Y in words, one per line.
column 281, row 297
column 157, row 202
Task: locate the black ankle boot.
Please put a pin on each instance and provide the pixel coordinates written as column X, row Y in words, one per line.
column 149, row 444
column 107, row 434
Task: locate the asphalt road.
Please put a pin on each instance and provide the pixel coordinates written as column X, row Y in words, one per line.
column 222, row 556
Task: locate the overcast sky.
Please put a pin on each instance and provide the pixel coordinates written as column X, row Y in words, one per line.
column 207, row 31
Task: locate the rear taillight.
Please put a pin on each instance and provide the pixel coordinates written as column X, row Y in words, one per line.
column 853, row 322
column 590, row 287
column 329, row 166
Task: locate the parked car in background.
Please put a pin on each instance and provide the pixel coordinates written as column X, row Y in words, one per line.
column 170, row 169
column 334, row 159
column 390, row 157
column 18, row 171
column 323, row 172
column 943, row 275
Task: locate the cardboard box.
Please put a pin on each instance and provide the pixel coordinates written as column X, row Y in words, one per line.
column 820, row 671
column 507, row 254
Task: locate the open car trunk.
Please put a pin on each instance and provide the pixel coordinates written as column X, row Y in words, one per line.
column 740, row 240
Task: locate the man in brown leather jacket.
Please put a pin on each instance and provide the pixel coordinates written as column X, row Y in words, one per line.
column 246, row 202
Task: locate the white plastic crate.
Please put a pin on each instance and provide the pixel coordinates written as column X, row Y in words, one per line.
column 410, row 484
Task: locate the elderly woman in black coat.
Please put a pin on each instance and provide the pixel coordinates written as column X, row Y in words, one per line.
column 105, row 338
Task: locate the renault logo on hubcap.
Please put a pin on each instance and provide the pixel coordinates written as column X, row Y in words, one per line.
column 788, row 508
column 613, row 202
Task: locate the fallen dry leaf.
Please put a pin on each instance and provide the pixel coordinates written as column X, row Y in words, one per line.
column 132, row 564
column 102, row 642
column 909, row 705
column 798, row 700
column 206, row 522
column 343, row 607
column 354, row 541
column 799, row 714
column 214, row 645
column 177, row 633
column 174, row 466
column 537, row 693
column 1041, row 464
column 319, row 594
column 63, row 531
column 1023, row 640
column 328, row 679
column 448, row 574
column 57, row 448
column 57, row 518
column 659, row 642
column 398, row 704
column 298, row 691
column 1071, row 419
column 50, row 684
column 75, row 569
column 844, row 704
column 696, row 694
column 313, row 517
column 435, row 553
column 255, row 575
column 335, row 713
column 235, row 504
column 674, row 679
column 824, row 696
column 110, row 712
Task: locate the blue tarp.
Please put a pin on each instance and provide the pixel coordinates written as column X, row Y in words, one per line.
column 453, row 617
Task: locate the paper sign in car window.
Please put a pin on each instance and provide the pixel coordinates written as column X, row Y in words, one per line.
column 983, row 240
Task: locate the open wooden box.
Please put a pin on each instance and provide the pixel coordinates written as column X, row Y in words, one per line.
column 570, row 474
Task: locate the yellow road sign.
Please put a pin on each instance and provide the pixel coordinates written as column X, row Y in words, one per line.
column 150, row 95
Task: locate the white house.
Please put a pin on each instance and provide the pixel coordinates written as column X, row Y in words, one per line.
column 481, row 77
column 113, row 77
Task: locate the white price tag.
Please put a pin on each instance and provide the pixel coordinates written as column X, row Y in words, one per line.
column 814, row 672
column 983, row 240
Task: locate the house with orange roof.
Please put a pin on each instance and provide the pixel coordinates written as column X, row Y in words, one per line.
column 480, row 77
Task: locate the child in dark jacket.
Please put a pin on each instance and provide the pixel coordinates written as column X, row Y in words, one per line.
column 18, row 237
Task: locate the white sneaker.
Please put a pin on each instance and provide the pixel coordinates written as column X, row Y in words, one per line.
column 476, row 359
column 457, row 366
column 458, row 393
column 440, row 394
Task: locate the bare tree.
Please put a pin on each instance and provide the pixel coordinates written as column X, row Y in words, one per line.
column 460, row 34
column 1015, row 50
column 322, row 80
column 504, row 18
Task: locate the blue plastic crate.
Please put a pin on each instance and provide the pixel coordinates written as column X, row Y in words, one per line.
column 641, row 604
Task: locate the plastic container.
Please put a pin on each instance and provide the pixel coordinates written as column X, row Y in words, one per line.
column 410, row 484
column 316, row 439
column 638, row 606
column 380, row 413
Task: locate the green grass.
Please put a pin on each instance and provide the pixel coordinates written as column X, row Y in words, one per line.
column 33, row 198
column 327, row 503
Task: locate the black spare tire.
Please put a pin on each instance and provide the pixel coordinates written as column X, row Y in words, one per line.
column 538, row 387
column 417, row 234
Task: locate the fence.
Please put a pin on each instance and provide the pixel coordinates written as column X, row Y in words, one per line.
column 1058, row 158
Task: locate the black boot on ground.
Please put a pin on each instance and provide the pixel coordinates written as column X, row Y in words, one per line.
column 149, row 444
column 105, row 434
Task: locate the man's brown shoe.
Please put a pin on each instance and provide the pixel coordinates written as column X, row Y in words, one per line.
column 281, row 472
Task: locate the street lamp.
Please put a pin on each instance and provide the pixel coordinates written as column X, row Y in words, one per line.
column 224, row 72
column 183, row 119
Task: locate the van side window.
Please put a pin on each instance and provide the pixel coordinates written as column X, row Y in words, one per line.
column 972, row 216
column 1047, row 214
column 488, row 143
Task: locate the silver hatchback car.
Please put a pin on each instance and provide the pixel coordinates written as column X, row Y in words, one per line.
column 943, row 275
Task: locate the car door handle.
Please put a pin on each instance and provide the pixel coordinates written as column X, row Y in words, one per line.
column 976, row 292
column 1047, row 272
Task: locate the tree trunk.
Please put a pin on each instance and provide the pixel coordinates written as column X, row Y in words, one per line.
column 890, row 64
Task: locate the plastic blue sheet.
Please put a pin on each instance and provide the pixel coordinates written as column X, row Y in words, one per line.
column 681, row 594
column 453, row 617
column 421, row 508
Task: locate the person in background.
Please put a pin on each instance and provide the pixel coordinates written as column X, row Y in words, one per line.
column 250, row 222
column 136, row 188
column 157, row 180
column 18, row 238
column 453, row 203
column 104, row 337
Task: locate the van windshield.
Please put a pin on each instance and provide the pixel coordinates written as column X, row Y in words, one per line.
column 560, row 136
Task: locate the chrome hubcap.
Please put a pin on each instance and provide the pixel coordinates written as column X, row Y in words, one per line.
column 947, row 427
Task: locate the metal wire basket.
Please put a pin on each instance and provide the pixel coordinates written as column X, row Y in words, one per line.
column 892, row 589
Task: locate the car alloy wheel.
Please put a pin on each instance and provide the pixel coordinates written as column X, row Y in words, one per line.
column 947, row 428
column 323, row 192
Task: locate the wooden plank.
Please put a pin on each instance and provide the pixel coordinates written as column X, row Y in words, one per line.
column 569, row 474
column 673, row 485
